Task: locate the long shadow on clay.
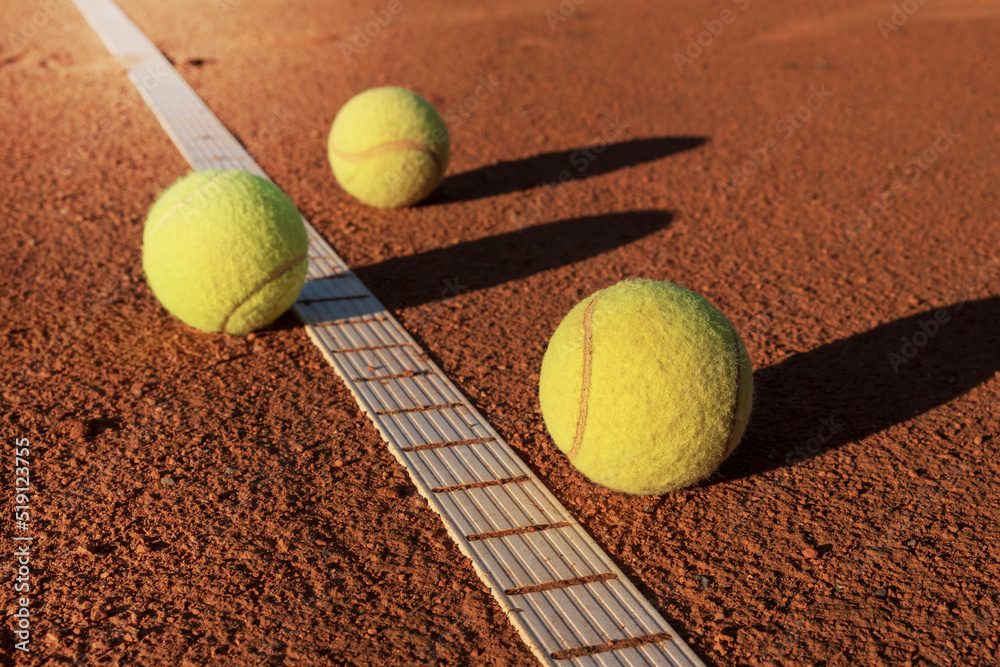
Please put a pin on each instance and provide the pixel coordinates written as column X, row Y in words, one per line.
column 472, row 265
column 851, row 388
column 578, row 163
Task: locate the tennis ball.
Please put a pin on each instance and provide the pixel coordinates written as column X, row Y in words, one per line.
column 225, row 251
column 646, row 387
column 388, row 147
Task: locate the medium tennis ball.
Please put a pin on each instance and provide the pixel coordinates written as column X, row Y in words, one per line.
column 225, row 251
column 646, row 387
column 388, row 147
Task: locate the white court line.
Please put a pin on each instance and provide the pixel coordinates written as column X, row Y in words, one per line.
column 566, row 597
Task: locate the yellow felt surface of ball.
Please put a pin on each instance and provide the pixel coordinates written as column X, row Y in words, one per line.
column 388, row 147
column 225, row 251
column 646, row 386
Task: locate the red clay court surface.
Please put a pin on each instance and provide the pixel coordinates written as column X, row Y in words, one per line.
column 825, row 174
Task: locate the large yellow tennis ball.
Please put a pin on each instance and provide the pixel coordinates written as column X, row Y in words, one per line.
column 225, row 251
column 646, row 387
column 388, row 147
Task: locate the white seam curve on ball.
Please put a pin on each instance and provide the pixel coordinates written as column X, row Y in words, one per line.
column 275, row 275
column 177, row 206
column 586, row 378
column 389, row 146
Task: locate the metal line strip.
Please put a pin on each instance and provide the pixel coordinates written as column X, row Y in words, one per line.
column 362, row 341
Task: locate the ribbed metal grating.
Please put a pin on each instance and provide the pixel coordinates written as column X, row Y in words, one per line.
column 565, row 596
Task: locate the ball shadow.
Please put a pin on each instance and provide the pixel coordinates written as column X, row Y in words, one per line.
column 442, row 273
column 578, row 163
column 852, row 388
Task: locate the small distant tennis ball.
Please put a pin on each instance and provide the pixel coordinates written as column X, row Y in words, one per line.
column 646, row 387
column 388, row 147
column 225, row 251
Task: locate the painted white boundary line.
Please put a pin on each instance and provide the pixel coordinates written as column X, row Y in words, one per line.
column 565, row 596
